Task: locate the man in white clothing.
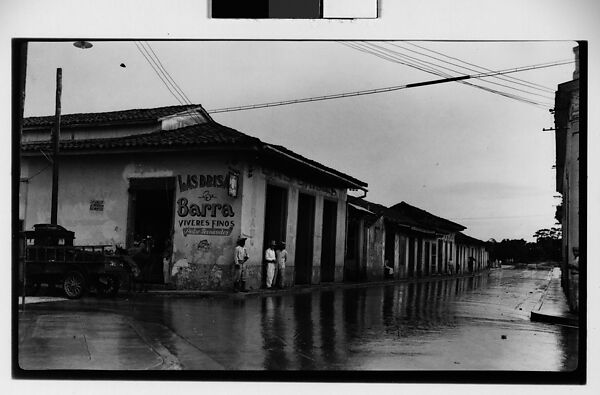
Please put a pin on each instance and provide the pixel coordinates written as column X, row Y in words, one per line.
column 281, row 255
column 240, row 256
column 270, row 259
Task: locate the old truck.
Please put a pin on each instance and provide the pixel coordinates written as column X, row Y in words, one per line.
column 48, row 256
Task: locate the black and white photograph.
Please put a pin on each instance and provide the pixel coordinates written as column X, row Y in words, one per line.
column 300, row 205
column 303, row 196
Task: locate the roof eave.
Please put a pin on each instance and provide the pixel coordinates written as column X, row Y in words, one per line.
column 351, row 182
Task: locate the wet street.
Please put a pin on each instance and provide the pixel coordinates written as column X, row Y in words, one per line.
column 471, row 323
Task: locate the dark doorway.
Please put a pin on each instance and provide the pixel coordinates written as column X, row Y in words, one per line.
column 445, row 257
column 275, row 218
column 304, row 239
column 440, row 253
column 427, row 265
column 328, row 241
column 402, row 270
column 151, row 218
column 411, row 256
column 433, row 257
column 419, row 257
column 352, row 259
column 390, row 247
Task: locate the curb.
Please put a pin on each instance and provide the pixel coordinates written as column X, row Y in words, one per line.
column 297, row 288
column 554, row 319
column 537, row 316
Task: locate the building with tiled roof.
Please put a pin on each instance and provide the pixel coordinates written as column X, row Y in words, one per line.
column 402, row 241
column 193, row 186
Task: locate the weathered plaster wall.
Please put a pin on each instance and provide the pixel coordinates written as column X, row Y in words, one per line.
column 256, row 179
column 203, row 239
column 375, row 251
column 340, row 237
column 318, row 240
column 253, row 222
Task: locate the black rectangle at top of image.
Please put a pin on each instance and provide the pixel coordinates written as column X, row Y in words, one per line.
column 253, row 9
column 242, row 9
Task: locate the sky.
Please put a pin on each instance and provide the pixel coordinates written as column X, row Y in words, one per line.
column 465, row 154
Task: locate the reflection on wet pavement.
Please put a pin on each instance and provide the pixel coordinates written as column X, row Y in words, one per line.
column 473, row 323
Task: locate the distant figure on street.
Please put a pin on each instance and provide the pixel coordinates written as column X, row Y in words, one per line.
column 240, row 256
column 270, row 259
column 388, row 270
column 281, row 256
column 471, row 263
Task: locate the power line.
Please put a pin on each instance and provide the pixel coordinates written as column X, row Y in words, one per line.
column 541, row 87
column 431, row 70
column 158, row 73
column 386, row 89
column 438, row 72
column 167, row 80
column 501, row 217
column 478, row 69
column 474, row 70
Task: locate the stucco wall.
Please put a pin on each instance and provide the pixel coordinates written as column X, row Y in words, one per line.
column 207, row 222
column 375, row 250
column 256, row 179
column 204, row 237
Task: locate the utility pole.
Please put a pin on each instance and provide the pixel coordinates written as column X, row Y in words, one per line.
column 55, row 143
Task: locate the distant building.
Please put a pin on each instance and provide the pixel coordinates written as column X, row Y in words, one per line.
column 194, row 186
column 566, row 119
column 412, row 241
column 471, row 253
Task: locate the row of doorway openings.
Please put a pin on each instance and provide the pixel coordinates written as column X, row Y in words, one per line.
column 276, row 209
column 151, row 208
column 434, row 259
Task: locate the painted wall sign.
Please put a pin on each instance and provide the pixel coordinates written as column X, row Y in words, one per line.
column 194, row 181
column 207, row 212
column 96, row 205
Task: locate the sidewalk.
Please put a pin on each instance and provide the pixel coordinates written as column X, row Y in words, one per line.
column 88, row 341
column 159, row 289
column 553, row 307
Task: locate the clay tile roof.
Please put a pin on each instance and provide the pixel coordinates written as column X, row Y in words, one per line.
column 111, row 117
column 207, row 134
column 425, row 218
column 465, row 239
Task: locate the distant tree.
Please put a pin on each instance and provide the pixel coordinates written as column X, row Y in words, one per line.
column 549, row 243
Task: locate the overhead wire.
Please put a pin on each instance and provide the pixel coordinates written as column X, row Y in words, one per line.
column 541, row 87
column 431, row 70
column 474, row 70
column 478, row 69
column 432, row 66
column 154, row 61
column 193, row 113
column 385, row 89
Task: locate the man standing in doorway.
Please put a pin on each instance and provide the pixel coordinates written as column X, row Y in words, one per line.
column 270, row 259
column 281, row 255
column 240, row 256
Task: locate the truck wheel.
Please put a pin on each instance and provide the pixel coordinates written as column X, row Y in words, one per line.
column 108, row 286
column 74, row 285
